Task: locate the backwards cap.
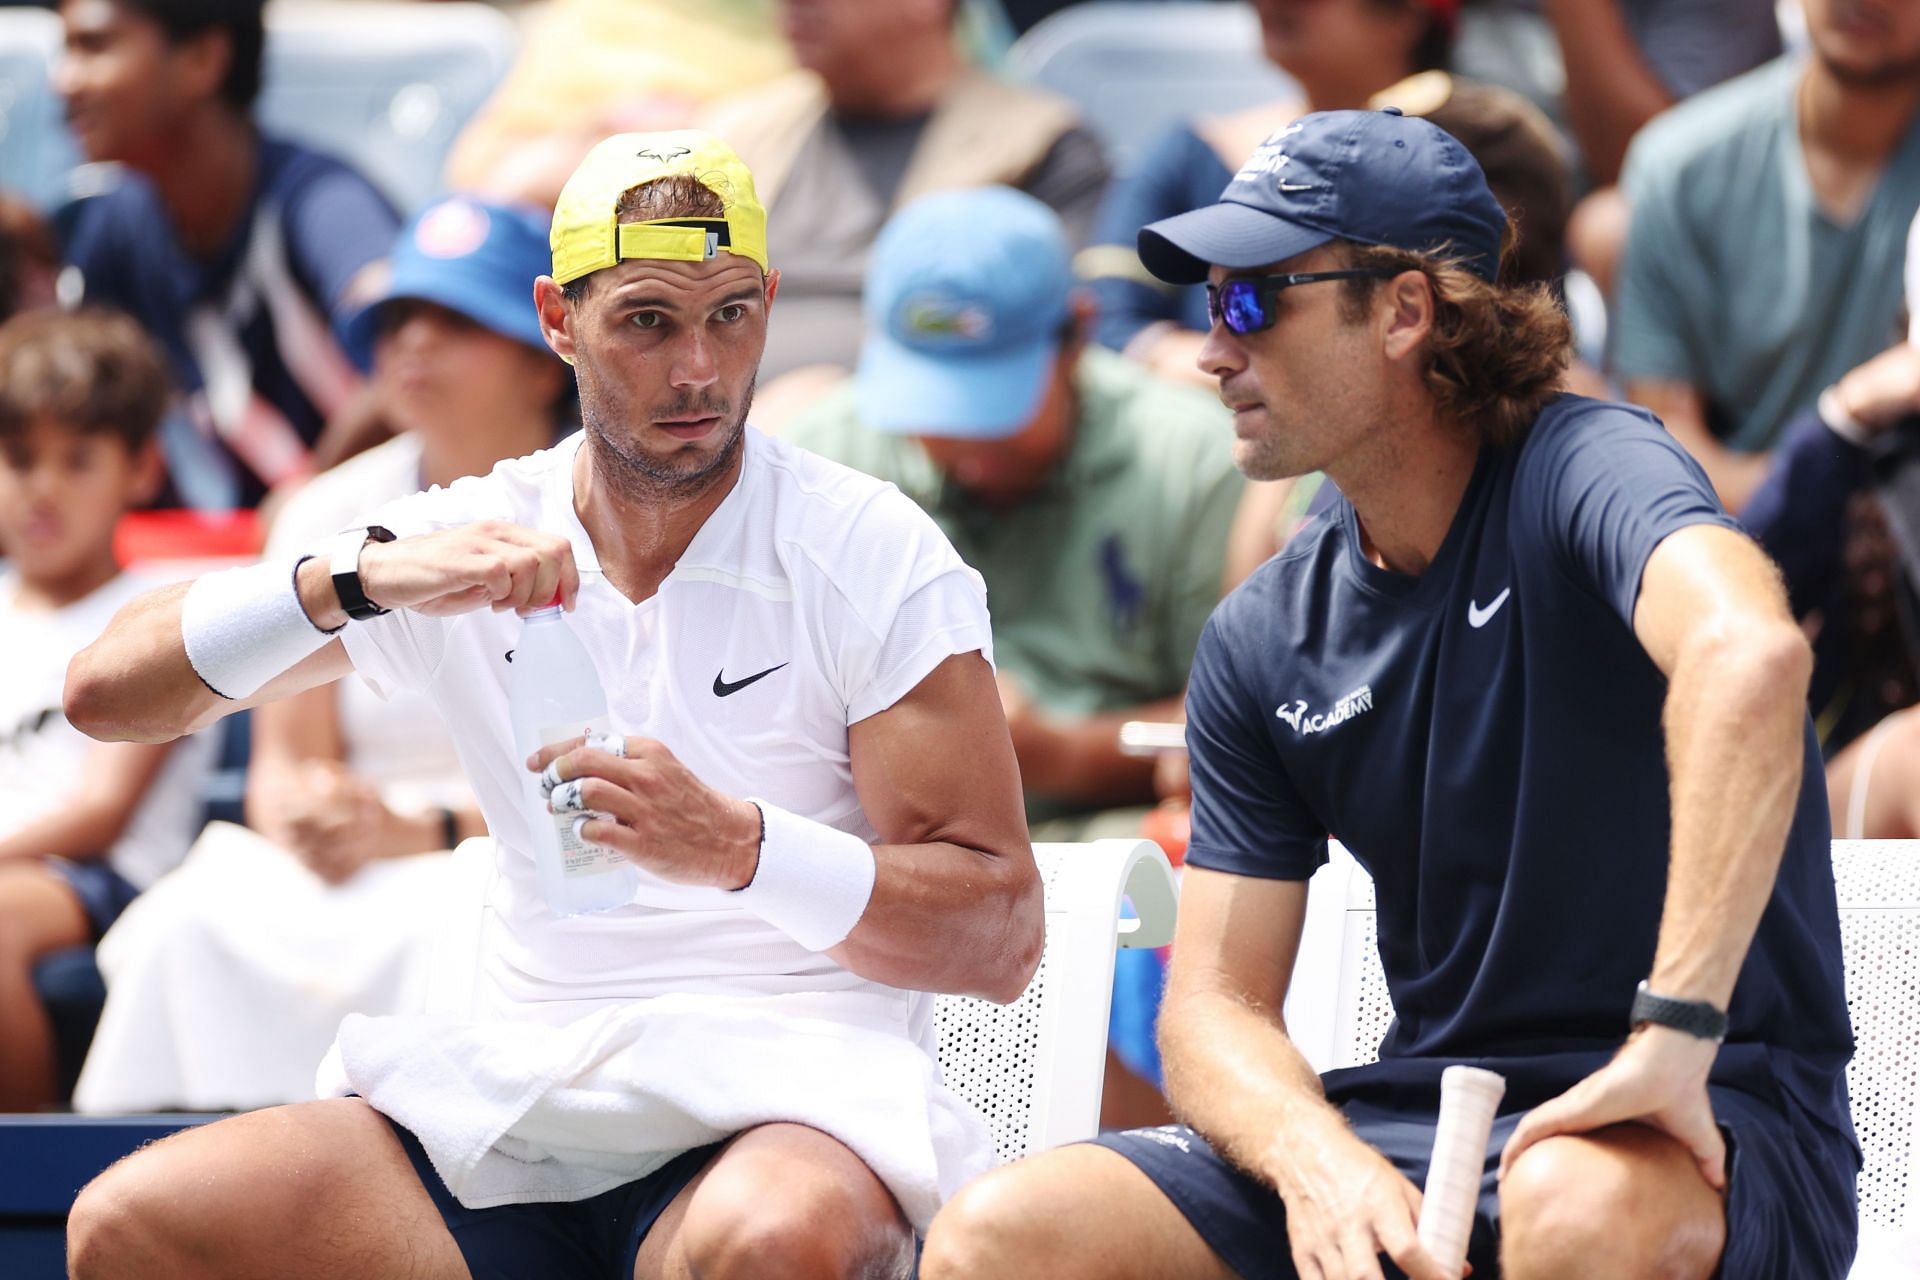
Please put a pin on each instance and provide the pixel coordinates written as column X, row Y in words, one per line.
column 588, row 236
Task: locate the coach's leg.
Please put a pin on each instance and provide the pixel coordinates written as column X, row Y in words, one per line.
column 1621, row 1201
column 313, row 1189
column 1079, row 1211
column 779, row 1201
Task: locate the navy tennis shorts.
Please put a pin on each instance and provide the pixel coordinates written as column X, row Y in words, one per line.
column 1791, row 1208
column 593, row 1239
column 103, row 892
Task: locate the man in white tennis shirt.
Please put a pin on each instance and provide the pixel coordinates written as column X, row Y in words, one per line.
column 732, row 1074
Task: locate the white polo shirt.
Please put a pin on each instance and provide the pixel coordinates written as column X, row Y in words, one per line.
column 834, row 584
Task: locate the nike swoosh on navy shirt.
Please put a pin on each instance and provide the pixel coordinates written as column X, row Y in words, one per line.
column 722, row 686
column 1478, row 617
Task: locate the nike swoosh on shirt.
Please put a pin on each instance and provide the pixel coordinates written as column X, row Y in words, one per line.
column 722, row 686
column 1478, row 617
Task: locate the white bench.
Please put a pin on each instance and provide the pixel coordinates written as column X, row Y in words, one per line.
column 1340, row 1023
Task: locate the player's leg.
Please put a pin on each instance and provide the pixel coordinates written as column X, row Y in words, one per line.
column 780, row 1200
column 39, row 913
column 1622, row 1201
column 314, row 1189
column 1090, row 1211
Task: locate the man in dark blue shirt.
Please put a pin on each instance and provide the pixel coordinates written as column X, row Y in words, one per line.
column 1551, row 697
column 238, row 253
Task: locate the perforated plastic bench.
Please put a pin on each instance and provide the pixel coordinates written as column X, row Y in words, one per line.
column 1340, row 1024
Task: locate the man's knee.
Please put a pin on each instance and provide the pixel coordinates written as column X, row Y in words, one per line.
column 825, row 1227
column 986, row 1230
column 119, row 1226
column 1626, row 1203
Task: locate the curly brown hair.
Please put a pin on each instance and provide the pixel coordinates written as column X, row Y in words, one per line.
column 92, row 371
column 1497, row 352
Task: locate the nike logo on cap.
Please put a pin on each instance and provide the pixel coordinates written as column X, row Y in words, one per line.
column 723, row 686
column 1478, row 617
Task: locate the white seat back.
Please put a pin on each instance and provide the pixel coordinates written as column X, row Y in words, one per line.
column 1034, row 1067
column 1878, row 884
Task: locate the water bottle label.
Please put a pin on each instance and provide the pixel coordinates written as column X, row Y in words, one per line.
column 578, row 859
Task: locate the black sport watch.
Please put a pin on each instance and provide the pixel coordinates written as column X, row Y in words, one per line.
column 345, row 567
column 1695, row 1017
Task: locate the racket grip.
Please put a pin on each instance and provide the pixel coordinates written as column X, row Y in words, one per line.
column 1468, row 1098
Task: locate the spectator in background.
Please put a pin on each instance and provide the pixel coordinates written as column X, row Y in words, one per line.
column 588, row 68
column 1627, row 61
column 885, row 109
column 238, row 252
column 227, row 981
column 1768, row 221
column 1092, row 496
column 83, row 825
column 29, row 258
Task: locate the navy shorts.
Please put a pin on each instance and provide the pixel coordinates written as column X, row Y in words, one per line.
column 1791, row 1208
column 593, row 1239
column 103, row 892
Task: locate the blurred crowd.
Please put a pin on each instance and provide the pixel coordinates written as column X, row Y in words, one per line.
column 226, row 339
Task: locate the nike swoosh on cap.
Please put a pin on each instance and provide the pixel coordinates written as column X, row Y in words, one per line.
column 723, row 686
column 1478, row 617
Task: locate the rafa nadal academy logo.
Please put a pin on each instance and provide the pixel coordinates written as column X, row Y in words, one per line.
column 1357, row 703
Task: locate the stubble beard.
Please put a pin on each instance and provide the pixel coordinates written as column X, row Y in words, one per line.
column 642, row 478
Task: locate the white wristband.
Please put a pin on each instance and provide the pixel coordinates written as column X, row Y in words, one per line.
column 245, row 626
column 813, row 882
column 1839, row 421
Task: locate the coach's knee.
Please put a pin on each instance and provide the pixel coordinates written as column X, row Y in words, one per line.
column 1571, row 1207
column 825, row 1230
column 994, row 1227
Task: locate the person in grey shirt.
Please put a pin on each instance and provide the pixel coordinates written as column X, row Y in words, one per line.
column 1769, row 221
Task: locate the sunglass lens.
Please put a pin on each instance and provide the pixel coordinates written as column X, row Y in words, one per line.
column 1240, row 307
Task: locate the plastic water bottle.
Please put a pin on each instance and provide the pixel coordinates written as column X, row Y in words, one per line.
column 554, row 696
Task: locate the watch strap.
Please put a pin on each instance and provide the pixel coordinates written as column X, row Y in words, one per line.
column 345, row 568
column 1699, row 1018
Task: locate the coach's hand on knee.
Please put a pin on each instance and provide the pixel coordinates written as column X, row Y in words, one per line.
column 645, row 804
column 1346, row 1205
column 491, row 563
column 1658, row 1079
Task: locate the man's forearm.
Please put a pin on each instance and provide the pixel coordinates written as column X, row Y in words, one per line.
column 1735, row 724
column 949, row 918
column 1081, row 761
column 1611, row 91
column 1235, row 1076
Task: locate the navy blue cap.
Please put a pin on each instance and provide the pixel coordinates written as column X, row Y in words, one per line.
column 471, row 256
column 1375, row 177
column 967, row 300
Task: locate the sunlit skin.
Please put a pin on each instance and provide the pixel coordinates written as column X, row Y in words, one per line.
column 61, row 493
column 1344, row 47
column 1307, row 394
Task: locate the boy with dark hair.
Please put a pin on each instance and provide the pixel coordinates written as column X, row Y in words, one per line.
column 83, row 825
column 239, row 253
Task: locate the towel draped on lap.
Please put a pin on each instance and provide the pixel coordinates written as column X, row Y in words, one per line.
column 515, row 1110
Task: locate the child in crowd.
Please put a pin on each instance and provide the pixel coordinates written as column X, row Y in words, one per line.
column 84, row 826
column 227, row 982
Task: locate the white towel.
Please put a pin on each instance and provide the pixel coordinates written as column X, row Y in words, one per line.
column 514, row 1111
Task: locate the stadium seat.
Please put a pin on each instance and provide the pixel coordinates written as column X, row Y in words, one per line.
column 1137, row 68
column 386, row 86
column 1033, row 1068
column 1878, row 883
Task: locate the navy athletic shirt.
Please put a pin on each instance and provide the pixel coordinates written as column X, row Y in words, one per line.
column 1486, row 739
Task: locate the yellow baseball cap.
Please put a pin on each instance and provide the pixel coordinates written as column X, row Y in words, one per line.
column 587, row 236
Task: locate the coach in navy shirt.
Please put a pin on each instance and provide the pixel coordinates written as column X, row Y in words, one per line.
column 1551, row 697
